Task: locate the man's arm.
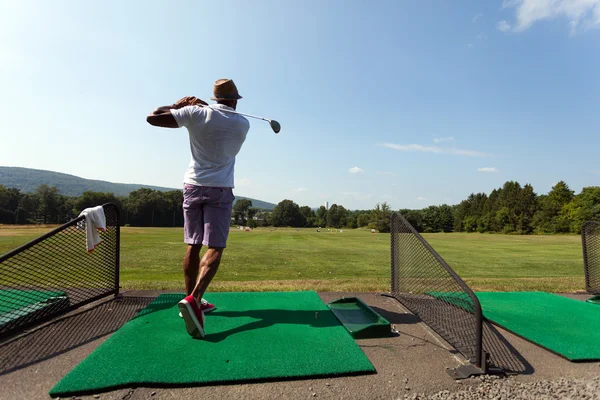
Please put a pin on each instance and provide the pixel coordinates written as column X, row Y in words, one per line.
column 162, row 115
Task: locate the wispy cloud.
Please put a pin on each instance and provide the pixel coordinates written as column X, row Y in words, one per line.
column 385, row 173
column 436, row 150
column 476, row 17
column 421, row 198
column 487, row 169
column 299, row 190
column 503, row 26
column 443, row 139
column 356, row 170
column 584, row 13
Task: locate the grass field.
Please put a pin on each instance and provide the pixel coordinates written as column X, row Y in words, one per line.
column 355, row 260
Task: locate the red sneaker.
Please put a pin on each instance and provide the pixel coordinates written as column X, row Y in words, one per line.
column 193, row 317
column 206, row 307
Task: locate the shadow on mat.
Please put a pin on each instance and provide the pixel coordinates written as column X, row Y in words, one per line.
column 502, row 353
column 267, row 318
column 68, row 333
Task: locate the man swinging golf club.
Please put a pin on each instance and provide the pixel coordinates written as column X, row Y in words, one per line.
column 216, row 135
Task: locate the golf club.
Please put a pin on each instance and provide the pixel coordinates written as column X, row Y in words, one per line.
column 274, row 124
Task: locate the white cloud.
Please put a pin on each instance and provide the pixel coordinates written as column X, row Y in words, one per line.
column 470, row 45
column 445, row 139
column 476, row 17
column 481, row 36
column 356, row 170
column 421, row 198
column 436, row 150
column 503, row 26
column 385, row 173
column 577, row 12
column 300, row 190
column 487, row 169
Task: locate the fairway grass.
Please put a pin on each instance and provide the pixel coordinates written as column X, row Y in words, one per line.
column 355, row 260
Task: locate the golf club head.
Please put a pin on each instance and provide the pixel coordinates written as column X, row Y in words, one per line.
column 275, row 126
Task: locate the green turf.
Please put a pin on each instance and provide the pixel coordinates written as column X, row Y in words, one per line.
column 16, row 304
column 250, row 337
column 565, row 326
column 354, row 260
column 12, row 299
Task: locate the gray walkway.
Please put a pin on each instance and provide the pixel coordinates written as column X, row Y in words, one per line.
column 410, row 363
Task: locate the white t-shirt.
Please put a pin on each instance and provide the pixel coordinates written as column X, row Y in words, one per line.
column 216, row 137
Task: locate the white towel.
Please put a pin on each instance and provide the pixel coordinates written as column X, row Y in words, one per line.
column 95, row 221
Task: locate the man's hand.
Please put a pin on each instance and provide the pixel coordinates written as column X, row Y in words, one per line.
column 189, row 101
column 162, row 115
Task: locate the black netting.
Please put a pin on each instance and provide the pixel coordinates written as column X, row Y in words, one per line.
column 55, row 273
column 590, row 236
column 429, row 288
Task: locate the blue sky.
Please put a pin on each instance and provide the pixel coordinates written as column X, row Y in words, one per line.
column 413, row 103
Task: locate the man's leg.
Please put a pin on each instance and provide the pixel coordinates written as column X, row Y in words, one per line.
column 217, row 218
column 208, row 269
column 191, row 266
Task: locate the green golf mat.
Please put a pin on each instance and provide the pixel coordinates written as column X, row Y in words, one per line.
column 249, row 337
column 564, row 326
column 16, row 304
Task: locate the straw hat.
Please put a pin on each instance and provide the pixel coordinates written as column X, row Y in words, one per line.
column 225, row 89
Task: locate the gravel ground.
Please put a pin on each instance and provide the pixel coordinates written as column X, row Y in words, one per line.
column 496, row 388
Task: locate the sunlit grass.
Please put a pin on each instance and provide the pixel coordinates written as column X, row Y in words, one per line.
column 355, row 260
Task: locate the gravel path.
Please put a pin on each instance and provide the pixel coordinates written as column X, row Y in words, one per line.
column 495, row 388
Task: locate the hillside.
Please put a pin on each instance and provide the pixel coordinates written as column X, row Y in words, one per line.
column 27, row 180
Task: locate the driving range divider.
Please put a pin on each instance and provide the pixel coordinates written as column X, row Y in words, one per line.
column 426, row 285
column 590, row 239
column 55, row 273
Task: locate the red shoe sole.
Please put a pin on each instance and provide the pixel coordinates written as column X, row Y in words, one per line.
column 194, row 328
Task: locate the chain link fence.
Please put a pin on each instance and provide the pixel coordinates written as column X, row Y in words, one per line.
column 590, row 237
column 55, row 273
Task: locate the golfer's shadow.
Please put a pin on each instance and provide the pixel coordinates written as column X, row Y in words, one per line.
column 266, row 318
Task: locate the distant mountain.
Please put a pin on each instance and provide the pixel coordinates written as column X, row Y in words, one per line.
column 27, row 180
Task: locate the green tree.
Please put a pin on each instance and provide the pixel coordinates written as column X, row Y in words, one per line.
column 584, row 207
column 363, row 219
column 321, row 217
column 380, row 217
column 9, row 204
column 309, row 215
column 49, row 203
column 240, row 211
column 92, row 199
column 547, row 218
column 287, row 213
column 336, row 216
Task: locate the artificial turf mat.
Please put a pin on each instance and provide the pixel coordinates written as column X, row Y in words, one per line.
column 15, row 304
column 564, row 326
column 249, row 337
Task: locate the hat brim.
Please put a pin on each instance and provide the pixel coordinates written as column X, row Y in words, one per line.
column 227, row 98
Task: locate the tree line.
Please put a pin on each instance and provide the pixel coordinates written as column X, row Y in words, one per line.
column 510, row 209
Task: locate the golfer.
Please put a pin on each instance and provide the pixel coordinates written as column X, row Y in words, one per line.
column 216, row 137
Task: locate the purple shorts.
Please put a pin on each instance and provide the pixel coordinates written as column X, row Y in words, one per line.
column 206, row 215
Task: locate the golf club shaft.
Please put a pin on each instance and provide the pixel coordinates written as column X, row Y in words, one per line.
column 245, row 115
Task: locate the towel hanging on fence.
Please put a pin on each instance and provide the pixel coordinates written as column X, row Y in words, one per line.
column 95, row 221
